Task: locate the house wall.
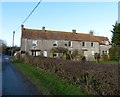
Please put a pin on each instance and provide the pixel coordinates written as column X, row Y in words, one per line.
column 47, row 45
column 104, row 48
column 90, row 51
column 22, row 44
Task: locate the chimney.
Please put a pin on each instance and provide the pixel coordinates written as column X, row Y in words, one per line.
column 43, row 29
column 22, row 27
column 73, row 31
column 91, row 32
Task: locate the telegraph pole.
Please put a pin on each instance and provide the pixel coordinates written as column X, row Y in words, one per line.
column 13, row 42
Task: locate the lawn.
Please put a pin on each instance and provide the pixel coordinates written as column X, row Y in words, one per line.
column 46, row 82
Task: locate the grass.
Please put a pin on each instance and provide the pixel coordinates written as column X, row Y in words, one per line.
column 46, row 82
column 108, row 62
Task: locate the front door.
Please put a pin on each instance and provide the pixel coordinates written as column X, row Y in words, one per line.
column 45, row 53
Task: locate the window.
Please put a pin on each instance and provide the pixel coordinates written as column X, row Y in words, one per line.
column 55, row 43
column 34, row 43
column 92, row 52
column 70, row 52
column 45, row 53
column 103, row 52
column 65, row 44
column 83, row 43
column 70, row 43
column 55, row 55
column 92, row 44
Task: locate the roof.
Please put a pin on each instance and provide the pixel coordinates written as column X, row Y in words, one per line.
column 102, row 39
column 56, row 35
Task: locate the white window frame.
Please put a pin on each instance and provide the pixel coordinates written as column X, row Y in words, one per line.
column 55, row 42
column 45, row 53
column 92, row 52
column 92, row 44
column 34, row 42
column 70, row 43
column 84, row 44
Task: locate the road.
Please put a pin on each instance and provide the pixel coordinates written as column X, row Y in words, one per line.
column 15, row 83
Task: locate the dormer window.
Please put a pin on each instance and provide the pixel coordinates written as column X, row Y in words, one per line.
column 70, row 43
column 55, row 44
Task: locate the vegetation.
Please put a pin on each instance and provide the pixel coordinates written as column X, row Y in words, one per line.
column 59, row 50
column 3, row 46
column 116, row 34
column 114, row 53
column 97, row 57
column 78, row 55
column 96, row 79
column 4, row 49
column 48, row 83
column 63, row 52
column 115, row 49
column 108, row 62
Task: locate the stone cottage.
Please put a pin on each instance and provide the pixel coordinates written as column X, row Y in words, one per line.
column 37, row 42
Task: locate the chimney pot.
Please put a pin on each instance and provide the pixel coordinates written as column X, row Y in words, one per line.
column 43, row 29
column 74, row 31
column 22, row 26
column 91, row 32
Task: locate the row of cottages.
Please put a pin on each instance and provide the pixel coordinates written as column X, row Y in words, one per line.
column 37, row 42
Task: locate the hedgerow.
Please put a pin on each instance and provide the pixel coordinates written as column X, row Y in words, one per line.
column 96, row 79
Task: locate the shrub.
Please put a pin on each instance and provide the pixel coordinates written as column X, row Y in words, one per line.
column 114, row 52
column 97, row 57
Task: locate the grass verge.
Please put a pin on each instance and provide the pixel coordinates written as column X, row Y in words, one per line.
column 46, row 82
column 108, row 62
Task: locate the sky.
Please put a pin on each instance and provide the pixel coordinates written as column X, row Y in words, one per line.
column 59, row 16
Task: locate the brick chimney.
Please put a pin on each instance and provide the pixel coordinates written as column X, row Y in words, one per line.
column 74, row 31
column 91, row 32
column 43, row 29
column 22, row 27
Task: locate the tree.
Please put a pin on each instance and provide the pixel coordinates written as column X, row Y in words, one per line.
column 78, row 55
column 116, row 34
column 3, row 46
column 59, row 50
column 115, row 49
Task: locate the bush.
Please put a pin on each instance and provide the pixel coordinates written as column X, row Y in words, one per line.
column 114, row 52
column 97, row 57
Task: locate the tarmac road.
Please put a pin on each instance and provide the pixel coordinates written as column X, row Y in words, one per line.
column 13, row 82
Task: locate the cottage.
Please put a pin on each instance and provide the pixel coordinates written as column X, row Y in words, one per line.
column 40, row 42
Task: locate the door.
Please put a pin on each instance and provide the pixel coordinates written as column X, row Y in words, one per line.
column 45, row 53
